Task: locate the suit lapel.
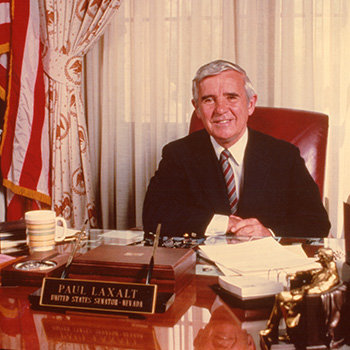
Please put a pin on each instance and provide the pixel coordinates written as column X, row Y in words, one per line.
column 210, row 174
column 256, row 172
column 257, row 169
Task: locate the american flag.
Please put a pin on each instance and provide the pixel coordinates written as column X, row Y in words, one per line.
column 25, row 151
column 4, row 45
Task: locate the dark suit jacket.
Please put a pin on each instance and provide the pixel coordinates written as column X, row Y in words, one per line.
column 189, row 187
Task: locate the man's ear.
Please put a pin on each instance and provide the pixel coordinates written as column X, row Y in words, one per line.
column 251, row 104
column 196, row 109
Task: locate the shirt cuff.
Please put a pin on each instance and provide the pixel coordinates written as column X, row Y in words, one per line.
column 218, row 225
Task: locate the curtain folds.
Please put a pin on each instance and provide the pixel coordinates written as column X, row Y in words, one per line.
column 297, row 55
column 68, row 30
column 138, row 83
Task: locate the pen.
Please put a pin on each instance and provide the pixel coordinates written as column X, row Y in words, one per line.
column 73, row 252
column 151, row 263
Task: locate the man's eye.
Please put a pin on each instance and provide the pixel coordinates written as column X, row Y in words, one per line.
column 208, row 100
column 232, row 97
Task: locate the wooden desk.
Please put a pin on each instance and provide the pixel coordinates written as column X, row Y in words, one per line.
column 198, row 316
column 178, row 328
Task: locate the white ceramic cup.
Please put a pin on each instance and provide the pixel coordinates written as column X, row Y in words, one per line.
column 41, row 229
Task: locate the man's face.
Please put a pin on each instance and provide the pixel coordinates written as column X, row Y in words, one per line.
column 220, row 335
column 223, row 106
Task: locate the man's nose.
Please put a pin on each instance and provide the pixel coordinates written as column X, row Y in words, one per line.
column 221, row 106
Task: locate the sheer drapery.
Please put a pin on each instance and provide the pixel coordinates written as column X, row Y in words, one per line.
column 297, row 54
column 138, row 86
column 139, row 83
column 69, row 28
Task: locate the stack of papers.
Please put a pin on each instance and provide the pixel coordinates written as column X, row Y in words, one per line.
column 122, row 237
column 263, row 257
column 249, row 287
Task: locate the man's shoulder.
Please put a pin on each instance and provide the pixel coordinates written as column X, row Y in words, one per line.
column 195, row 139
column 267, row 141
column 200, row 140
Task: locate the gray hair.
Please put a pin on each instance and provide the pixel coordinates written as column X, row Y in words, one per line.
column 216, row 67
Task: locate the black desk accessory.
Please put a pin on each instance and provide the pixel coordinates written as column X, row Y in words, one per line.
column 151, row 263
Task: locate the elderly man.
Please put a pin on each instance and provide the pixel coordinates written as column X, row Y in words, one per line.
column 228, row 178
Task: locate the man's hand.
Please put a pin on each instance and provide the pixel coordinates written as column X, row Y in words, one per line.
column 251, row 227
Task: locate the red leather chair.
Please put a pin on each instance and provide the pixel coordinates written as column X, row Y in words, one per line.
column 306, row 130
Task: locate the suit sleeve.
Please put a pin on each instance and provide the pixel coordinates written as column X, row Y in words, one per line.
column 306, row 215
column 171, row 198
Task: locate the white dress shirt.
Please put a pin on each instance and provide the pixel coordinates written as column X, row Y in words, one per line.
column 219, row 223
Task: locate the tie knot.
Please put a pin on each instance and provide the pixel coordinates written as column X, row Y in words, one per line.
column 225, row 154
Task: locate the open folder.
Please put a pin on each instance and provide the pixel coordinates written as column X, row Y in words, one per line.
column 263, row 257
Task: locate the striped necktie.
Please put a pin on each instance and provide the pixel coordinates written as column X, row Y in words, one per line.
column 229, row 179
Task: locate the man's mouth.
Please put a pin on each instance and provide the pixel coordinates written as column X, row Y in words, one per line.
column 222, row 122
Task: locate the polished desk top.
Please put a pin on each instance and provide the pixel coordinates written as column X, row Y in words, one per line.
column 23, row 327
column 198, row 319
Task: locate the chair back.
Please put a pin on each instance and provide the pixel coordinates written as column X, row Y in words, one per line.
column 306, row 130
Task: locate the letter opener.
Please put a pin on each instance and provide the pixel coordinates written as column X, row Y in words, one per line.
column 79, row 237
column 155, row 246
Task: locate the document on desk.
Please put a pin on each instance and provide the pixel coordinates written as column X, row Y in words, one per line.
column 264, row 257
column 122, row 237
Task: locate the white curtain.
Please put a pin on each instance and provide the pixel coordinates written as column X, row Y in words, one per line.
column 138, row 83
column 297, row 54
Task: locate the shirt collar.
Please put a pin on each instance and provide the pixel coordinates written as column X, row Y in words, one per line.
column 237, row 149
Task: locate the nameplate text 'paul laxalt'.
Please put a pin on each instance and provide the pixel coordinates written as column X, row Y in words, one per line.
column 98, row 295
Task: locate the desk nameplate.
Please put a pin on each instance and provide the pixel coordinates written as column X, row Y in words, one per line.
column 98, row 295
